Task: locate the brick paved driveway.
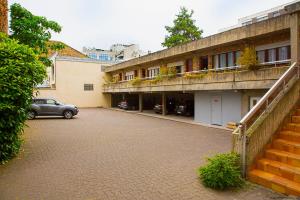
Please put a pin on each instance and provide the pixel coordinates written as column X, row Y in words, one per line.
column 104, row 154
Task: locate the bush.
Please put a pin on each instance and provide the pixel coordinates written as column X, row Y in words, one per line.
column 221, row 172
column 136, row 81
column 248, row 59
column 20, row 71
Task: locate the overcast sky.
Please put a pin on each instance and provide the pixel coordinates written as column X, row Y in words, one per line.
column 100, row 23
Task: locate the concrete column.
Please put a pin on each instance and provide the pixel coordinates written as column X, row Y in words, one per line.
column 164, row 103
column 210, row 61
column 295, row 41
column 140, row 102
column 195, row 63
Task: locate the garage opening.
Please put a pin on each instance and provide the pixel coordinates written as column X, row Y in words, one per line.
column 125, row 101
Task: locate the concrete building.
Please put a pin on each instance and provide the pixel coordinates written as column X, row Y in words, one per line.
column 207, row 73
column 74, row 78
column 116, row 53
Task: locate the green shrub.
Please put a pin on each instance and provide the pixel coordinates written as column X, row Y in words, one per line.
column 136, row 81
column 20, row 71
column 221, row 172
column 248, row 59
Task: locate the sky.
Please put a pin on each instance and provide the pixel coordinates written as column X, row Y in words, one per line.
column 101, row 23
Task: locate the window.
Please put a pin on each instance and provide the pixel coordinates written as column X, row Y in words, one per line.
column 272, row 55
column 216, row 61
column 153, row 72
column 237, row 56
column 39, row 101
column 253, row 101
column 223, row 60
column 283, row 53
column 230, row 59
column 88, row 87
column 261, row 56
column 50, row 101
column 129, row 75
column 178, row 69
column 93, row 55
column 189, row 65
column 104, row 57
column 226, row 59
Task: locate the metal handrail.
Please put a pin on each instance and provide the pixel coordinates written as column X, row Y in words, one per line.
column 247, row 121
column 265, row 98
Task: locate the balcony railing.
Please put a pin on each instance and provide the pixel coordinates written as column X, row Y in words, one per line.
column 222, row 69
column 222, row 78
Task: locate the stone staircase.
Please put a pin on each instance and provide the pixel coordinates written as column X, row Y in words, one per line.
column 278, row 168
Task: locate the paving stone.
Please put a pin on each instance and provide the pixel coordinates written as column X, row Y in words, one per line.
column 103, row 154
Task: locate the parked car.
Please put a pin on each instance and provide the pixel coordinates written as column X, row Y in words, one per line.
column 170, row 107
column 51, row 107
column 186, row 109
column 158, row 108
column 126, row 105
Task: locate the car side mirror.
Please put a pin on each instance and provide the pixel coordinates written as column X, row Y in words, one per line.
column 57, row 104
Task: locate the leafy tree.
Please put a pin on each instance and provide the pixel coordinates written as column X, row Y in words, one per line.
column 3, row 16
column 183, row 30
column 23, row 58
column 35, row 31
column 20, row 71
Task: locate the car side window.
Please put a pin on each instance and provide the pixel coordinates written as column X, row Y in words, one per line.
column 39, row 101
column 50, row 101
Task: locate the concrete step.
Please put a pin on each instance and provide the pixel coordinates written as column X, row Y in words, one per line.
column 287, row 145
column 275, row 182
column 290, row 135
column 292, row 127
column 296, row 119
column 283, row 156
column 280, row 169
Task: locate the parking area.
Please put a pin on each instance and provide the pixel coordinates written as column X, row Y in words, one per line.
column 105, row 154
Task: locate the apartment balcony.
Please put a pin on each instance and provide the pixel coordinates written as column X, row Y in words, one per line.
column 233, row 78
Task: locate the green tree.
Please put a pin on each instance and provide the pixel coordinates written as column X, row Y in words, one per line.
column 34, row 31
column 23, row 58
column 183, row 30
column 20, row 71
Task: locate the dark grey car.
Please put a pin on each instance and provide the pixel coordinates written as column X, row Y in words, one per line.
column 51, row 107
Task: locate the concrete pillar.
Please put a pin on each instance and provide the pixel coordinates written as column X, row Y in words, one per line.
column 295, row 41
column 210, row 61
column 140, row 102
column 164, row 103
column 196, row 63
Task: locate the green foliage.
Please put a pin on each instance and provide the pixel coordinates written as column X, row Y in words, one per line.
column 172, row 72
column 183, row 30
column 35, row 31
column 221, row 172
column 20, row 71
column 248, row 59
column 136, row 81
column 194, row 76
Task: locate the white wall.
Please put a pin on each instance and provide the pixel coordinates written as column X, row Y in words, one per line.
column 231, row 106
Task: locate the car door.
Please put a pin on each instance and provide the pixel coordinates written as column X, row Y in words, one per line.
column 41, row 104
column 51, row 107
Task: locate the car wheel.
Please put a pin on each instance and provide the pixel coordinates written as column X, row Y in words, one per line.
column 31, row 115
column 68, row 114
